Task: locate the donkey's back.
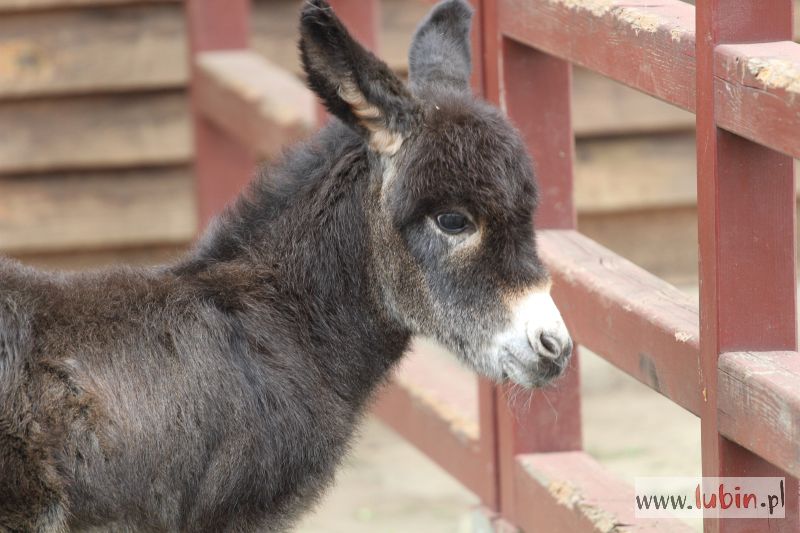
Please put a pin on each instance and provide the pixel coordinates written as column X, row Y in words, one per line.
column 131, row 397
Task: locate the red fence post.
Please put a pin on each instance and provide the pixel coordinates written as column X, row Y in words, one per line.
column 535, row 90
column 746, row 208
column 222, row 165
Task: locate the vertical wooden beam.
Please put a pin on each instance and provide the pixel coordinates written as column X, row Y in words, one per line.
column 535, row 90
column 746, row 210
column 222, row 166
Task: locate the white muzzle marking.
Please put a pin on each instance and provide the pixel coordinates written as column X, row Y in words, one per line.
column 536, row 343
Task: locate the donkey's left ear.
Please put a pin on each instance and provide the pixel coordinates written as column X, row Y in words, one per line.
column 354, row 85
column 440, row 49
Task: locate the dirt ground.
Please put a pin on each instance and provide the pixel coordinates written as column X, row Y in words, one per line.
column 389, row 487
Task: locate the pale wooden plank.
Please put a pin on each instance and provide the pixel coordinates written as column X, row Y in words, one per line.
column 117, row 47
column 635, row 173
column 30, row 5
column 263, row 106
column 86, row 50
column 99, row 132
column 662, row 241
column 603, row 107
column 92, row 210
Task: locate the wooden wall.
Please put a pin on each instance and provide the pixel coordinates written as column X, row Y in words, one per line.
column 95, row 147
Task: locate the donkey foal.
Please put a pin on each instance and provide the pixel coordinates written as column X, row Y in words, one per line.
column 219, row 393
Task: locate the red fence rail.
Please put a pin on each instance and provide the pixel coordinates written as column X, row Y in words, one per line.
column 733, row 361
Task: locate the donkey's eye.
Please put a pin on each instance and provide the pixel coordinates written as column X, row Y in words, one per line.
column 452, row 222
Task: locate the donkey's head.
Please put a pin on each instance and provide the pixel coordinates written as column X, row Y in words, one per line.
column 452, row 197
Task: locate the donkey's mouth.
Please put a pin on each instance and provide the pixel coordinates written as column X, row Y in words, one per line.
column 538, row 371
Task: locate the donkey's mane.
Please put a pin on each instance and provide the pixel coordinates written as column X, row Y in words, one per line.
column 299, row 187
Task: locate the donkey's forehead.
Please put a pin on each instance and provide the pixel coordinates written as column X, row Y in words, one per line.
column 466, row 150
column 470, row 131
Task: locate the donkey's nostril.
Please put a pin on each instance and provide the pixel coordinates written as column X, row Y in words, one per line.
column 551, row 345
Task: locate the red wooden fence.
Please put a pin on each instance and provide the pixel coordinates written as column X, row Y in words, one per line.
column 732, row 361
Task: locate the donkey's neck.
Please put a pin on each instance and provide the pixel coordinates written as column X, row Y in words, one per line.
column 301, row 232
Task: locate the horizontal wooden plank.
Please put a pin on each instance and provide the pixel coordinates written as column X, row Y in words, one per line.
column 432, row 402
column 661, row 241
column 89, row 133
column 263, row 106
column 638, row 322
column 757, row 90
column 86, row 50
column 759, row 404
column 570, row 491
column 113, row 46
column 602, row 107
column 635, row 173
column 756, row 84
column 796, row 17
column 28, row 5
column 96, row 210
column 607, row 36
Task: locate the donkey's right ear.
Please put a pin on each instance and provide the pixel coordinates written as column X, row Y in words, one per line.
column 354, row 85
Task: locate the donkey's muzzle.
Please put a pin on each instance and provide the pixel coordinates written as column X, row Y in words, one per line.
column 537, row 347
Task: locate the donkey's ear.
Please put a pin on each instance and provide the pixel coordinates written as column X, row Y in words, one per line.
column 440, row 49
column 353, row 84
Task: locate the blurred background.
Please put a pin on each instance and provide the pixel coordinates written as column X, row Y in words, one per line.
column 96, row 168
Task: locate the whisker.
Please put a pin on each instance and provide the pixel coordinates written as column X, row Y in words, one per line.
column 552, row 407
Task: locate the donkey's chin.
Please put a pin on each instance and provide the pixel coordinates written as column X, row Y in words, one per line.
column 539, row 372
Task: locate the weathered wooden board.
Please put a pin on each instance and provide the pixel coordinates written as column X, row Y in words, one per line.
column 796, row 17
column 89, row 210
column 603, row 107
column 662, row 241
column 571, row 491
column 635, row 173
column 134, row 47
column 759, row 404
column 624, row 174
column 592, row 34
column 261, row 105
column 86, row 50
column 28, row 5
column 756, row 88
column 98, row 132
